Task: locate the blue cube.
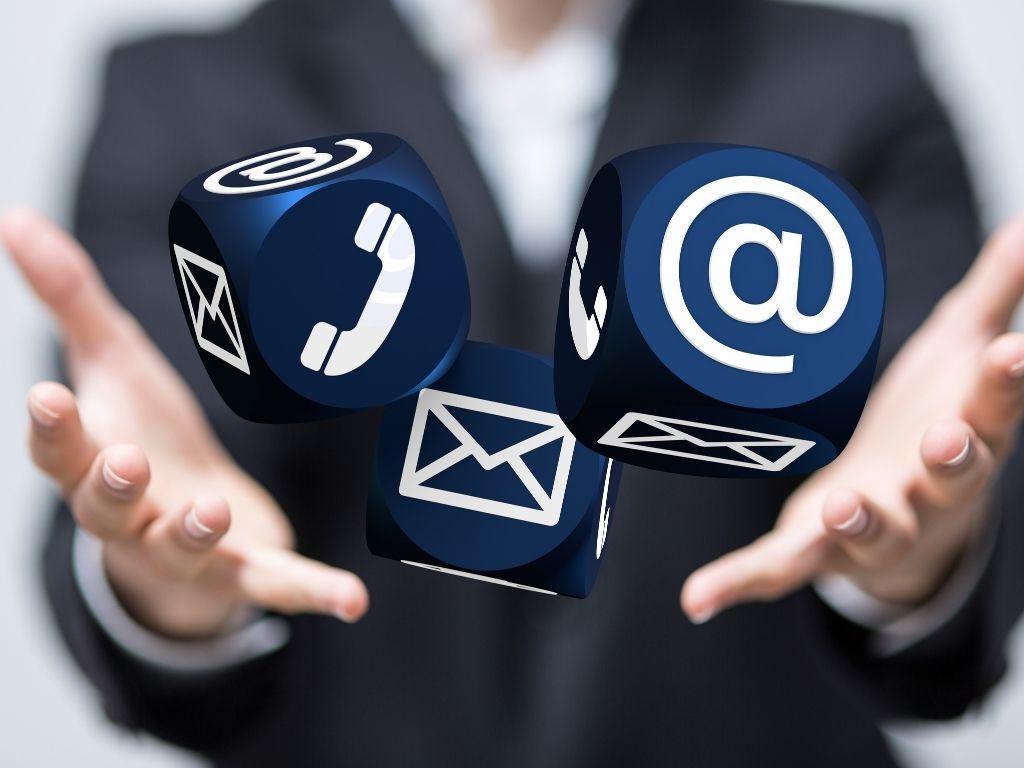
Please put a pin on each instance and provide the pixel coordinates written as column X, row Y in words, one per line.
column 721, row 312
column 320, row 278
column 477, row 476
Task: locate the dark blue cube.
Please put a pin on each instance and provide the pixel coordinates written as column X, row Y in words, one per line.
column 721, row 312
column 320, row 278
column 478, row 476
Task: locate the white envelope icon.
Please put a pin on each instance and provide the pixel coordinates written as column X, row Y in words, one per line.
column 705, row 442
column 211, row 305
column 548, row 507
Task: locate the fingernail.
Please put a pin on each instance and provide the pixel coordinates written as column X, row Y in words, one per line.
column 114, row 481
column 855, row 524
column 345, row 615
column 961, row 457
column 1017, row 370
column 195, row 527
column 42, row 415
column 703, row 616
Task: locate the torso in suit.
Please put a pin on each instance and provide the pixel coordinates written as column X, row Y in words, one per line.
column 448, row 672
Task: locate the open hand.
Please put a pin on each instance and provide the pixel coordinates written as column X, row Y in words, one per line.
column 189, row 539
column 896, row 510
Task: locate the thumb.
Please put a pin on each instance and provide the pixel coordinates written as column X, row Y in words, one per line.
column 774, row 565
column 287, row 582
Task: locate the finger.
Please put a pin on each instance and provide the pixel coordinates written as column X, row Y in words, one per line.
column 774, row 565
column 180, row 544
column 109, row 502
column 63, row 277
column 958, row 466
column 993, row 287
column 287, row 582
column 996, row 401
column 867, row 533
column 58, row 442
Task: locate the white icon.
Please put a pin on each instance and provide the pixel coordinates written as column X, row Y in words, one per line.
column 548, row 506
column 397, row 254
column 214, row 305
column 285, row 168
column 478, row 577
column 585, row 327
column 786, row 251
column 706, row 442
column 606, row 512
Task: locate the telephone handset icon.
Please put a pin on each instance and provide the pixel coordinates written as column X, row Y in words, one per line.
column 585, row 326
column 397, row 253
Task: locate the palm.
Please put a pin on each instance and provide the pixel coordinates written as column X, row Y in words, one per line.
column 188, row 537
column 151, row 408
column 133, row 396
column 886, row 446
column 898, row 507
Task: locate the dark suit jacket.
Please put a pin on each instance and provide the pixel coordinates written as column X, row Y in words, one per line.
column 448, row 672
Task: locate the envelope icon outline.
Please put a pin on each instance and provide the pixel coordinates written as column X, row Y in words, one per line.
column 740, row 444
column 218, row 308
column 413, row 483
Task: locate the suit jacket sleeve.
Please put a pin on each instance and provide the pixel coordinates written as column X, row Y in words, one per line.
column 204, row 711
column 915, row 180
column 133, row 169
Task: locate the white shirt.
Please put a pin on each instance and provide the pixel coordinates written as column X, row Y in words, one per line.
column 532, row 122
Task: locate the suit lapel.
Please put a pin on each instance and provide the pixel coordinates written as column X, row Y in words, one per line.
column 665, row 47
column 671, row 72
column 365, row 72
column 378, row 79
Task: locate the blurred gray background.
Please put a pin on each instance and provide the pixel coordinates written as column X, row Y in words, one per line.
column 49, row 65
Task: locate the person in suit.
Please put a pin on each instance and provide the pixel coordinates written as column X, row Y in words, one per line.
column 196, row 569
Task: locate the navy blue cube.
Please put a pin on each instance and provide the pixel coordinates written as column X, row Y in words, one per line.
column 721, row 312
column 320, row 278
column 477, row 476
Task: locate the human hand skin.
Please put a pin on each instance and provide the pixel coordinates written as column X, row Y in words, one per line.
column 896, row 510
column 189, row 539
